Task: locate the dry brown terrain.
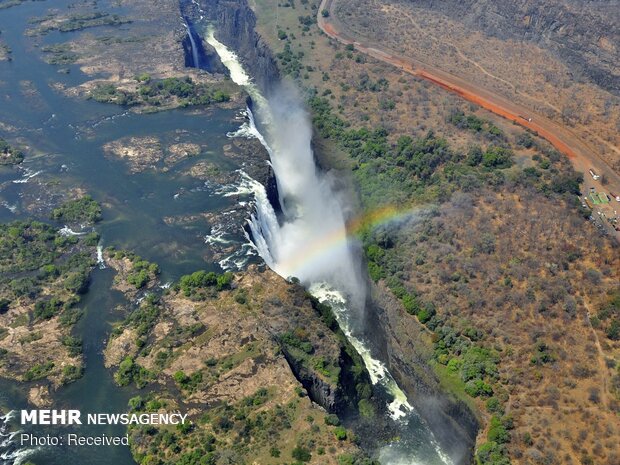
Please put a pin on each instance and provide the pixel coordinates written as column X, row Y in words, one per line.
column 534, row 237
column 537, row 285
column 583, row 156
column 520, row 70
column 239, row 387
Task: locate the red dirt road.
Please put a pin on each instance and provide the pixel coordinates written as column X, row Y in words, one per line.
column 581, row 155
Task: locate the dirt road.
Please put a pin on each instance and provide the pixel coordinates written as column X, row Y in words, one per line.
column 581, row 155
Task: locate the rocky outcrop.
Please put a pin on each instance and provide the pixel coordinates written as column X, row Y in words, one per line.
column 219, row 353
column 236, row 23
column 327, row 395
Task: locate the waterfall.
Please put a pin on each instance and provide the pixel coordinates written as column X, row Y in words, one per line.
column 309, row 241
column 100, row 259
column 190, row 34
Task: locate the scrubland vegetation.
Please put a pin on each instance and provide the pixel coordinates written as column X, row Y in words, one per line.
column 492, row 252
column 257, row 406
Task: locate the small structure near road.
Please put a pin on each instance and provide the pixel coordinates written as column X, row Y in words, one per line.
column 599, row 198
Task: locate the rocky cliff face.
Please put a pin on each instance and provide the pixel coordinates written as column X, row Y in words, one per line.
column 209, row 60
column 235, row 22
column 408, row 353
column 583, row 34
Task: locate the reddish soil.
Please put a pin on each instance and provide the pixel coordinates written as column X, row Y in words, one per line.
column 582, row 156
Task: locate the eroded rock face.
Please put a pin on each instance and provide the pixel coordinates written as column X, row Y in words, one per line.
column 583, row 34
column 236, row 23
column 409, row 352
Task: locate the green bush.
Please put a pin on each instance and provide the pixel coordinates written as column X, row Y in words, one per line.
column 136, row 403
column 302, row 454
column 130, row 372
column 44, row 310
column 39, row 371
column 332, row 420
column 366, row 408
column 493, row 405
column 73, row 344
column 497, row 431
column 340, row 432
column 9, row 155
column 491, row 453
column 71, row 373
column 77, row 281
column 477, row 387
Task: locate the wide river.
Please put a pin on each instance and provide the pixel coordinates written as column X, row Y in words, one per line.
column 66, row 136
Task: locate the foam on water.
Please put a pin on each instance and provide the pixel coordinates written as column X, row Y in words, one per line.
column 100, row 260
column 67, row 231
column 28, row 175
column 311, row 208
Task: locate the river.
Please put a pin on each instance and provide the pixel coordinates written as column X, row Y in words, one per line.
column 66, row 136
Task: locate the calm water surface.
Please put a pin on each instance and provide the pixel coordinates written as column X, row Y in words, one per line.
column 65, row 137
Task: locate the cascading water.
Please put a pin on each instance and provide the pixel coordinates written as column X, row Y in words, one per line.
column 10, row 453
column 310, row 242
column 192, row 41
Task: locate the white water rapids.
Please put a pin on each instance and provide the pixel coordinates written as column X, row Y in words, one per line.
column 310, row 240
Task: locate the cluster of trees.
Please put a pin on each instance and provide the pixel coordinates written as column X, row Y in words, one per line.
column 34, row 255
column 130, row 372
column 410, row 169
column 82, row 210
column 291, row 62
column 190, row 92
column 297, row 339
column 142, row 271
column 39, row 371
column 608, row 316
column 473, row 123
column 59, row 54
column 162, row 91
column 188, row 382
column 250, row 426
column 9, row 155
column 145, row 316
column 494, row 451
column 201, row 284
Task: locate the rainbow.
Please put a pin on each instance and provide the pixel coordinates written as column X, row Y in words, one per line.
column 322, row 246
